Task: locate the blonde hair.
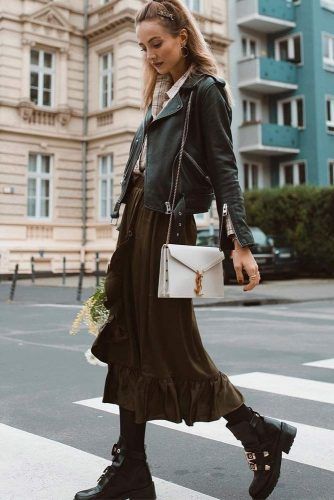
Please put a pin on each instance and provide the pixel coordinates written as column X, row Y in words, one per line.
column 200, row 55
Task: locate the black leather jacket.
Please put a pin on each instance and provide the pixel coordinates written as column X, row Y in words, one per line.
column 208, row 165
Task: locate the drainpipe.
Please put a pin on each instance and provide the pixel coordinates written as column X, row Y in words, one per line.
column 84, row 133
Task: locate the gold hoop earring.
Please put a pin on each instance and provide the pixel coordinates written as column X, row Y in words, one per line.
column 187, row 54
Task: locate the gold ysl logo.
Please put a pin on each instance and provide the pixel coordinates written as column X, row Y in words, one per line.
column 198, row 283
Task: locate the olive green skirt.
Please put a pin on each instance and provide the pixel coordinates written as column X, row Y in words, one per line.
column 157, row 365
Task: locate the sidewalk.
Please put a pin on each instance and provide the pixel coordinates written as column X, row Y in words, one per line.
column 51, row 290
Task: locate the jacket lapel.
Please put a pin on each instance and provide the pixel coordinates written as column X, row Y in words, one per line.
column 172, row 107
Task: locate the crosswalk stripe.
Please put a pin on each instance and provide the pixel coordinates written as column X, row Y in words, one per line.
column 286, row 386
column 322, row 363
column 36, row 468
column 264, row 310
column 313, row 445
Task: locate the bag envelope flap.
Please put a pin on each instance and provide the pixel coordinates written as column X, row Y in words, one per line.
column 196, row 258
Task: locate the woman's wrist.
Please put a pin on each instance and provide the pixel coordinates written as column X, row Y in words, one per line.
column 236, row 243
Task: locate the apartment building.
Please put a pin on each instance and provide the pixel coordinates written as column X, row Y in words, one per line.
column 283, row 85
column 70, row 93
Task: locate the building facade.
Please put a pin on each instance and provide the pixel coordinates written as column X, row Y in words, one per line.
column 70, row 95
column 283, row 85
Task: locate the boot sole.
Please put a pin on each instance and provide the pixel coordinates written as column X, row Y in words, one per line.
column 285, row 442
column 147, row 493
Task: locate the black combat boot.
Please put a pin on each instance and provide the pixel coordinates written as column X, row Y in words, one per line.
column 128, row 477
column 264, row 439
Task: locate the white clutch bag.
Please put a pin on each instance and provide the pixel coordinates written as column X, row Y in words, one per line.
column 189, row 271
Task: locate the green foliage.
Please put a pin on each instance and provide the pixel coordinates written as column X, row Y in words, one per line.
column 303, row 216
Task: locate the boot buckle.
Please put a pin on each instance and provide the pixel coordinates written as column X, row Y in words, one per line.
column 255, row 467
column 115, row 450
column 251, row 457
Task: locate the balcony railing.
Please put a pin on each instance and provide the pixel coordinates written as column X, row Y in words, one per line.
column 268, row 16
column 266, row 75
column 268, row 139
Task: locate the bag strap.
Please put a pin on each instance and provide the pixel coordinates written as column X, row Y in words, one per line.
column 184, row 137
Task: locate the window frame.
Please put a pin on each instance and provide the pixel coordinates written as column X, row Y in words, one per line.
column 329, row 123
column 249, row 39
column 327, row 4
column 294, row 111
column 39, row 176
column 290, row 38
column 190, row 6
column 109, row 177
column 41, row 71
column 109, row 73
column 260, row 171
column 330, row 166
column 328, row 63
column 258, row 109
column 295, row 172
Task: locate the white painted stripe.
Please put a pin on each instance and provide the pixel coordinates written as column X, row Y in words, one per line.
column 286, row 386
column 313, row 445
column 271, row 312
column 36, row 468
column 61, row 306
column 322, row 363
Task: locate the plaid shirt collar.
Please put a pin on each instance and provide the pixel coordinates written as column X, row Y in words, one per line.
column 165, row 90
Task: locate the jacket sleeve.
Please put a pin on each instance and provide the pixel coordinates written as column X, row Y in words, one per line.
column 216, row 118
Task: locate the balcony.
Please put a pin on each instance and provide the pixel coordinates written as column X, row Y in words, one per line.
column 268, row 16
column 266, row 75
column 268, row 139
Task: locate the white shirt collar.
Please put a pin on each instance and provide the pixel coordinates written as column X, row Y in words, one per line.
column 175, row 88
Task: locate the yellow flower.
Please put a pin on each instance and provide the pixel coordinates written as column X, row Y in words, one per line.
column 93, row 313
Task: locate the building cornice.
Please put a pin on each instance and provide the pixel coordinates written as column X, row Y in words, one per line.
column 122, row 18
column 71, row 138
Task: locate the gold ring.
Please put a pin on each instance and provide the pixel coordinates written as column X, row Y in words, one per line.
column 253, row 277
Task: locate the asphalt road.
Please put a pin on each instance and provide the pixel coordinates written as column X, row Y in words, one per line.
column 52, row 446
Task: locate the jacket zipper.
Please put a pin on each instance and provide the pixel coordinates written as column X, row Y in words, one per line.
column 194, row 162
column 225, row 213
column 167, row 203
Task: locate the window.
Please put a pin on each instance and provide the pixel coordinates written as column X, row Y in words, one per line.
column 250, row 110
column 249, row 47
column 106, row 180
column 289, row 49
column 193, row 5
column 106, row 80
column 327, row 4
column 331, row 172
column 42, row 74
column 252, row 176
column 330, row 114
column 328, row 51
column 292, row 174
column 39, row 184
column 291, row 112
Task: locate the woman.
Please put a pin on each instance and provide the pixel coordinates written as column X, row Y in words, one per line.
column 157, row 365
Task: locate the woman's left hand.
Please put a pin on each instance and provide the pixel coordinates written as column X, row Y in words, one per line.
column 243, row 259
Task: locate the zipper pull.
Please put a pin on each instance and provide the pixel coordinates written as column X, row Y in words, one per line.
column 168, row 207
column 224, row 209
